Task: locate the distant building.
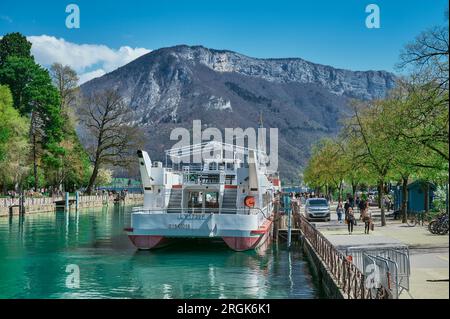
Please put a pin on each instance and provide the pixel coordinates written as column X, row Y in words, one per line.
column 122, row 184
column 295, row 189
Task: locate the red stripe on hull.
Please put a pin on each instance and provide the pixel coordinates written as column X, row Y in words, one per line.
column 146, row 241
column 246, row 243
column 264, row 228
column 241, row 243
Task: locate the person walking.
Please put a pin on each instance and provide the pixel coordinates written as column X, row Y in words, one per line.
column 367, row 219
column 347, row 205
column 350, row 218
column 339, row 212
column 362, row 206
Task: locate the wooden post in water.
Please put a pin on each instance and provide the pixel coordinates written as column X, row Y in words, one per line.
column 77, row 197
column 67, row 201
column 21, row 202
column 277, row 219
column 289, row 228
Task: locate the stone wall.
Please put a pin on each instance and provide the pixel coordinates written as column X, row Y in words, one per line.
column 320, row 271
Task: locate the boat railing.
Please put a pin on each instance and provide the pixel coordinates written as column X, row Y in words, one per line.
column 189, row 210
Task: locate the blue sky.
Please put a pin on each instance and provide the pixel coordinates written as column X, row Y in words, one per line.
column 321, row 31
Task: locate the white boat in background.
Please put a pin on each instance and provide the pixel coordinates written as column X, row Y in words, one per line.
column 222, row 198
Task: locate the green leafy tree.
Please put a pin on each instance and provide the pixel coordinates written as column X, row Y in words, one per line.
column 326, row 167
column 34, row 95
column 14, row 146
column 355, row 170
column 377, row 146
column 14, row 44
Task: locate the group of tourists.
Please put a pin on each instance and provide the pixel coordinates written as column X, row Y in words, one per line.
column 347, row 210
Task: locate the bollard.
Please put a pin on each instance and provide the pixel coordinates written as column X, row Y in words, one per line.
column 22, row 203
column 289, row 228
column 77, row 195
column 67, row 201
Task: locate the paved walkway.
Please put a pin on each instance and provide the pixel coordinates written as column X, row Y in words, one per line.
column 429, row 254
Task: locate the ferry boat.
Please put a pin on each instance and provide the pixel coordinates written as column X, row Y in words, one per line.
column 226, row 198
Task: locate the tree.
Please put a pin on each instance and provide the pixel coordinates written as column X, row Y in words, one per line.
column 315, row 174
column 14, row 44
column 423, row 112
column 35, row 96
column 355, row 171
column 66, row 81
column 14, row 145
column 427, row 56
column 112, row 138
column 377, row 147
column 75, row 162
column 326, row 167
column 18, row 73
column 420, row 130
column 104, row 176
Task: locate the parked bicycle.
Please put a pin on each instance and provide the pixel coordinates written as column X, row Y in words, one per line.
column 439, row 226
column 418, row 218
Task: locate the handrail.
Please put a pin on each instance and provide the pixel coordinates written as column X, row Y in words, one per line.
column 348, row 277
column 201, row 211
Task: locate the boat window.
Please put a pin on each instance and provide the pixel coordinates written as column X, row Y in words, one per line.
column 212, row 200
column 195, row 200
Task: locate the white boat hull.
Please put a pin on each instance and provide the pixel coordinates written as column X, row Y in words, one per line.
column 240, row 232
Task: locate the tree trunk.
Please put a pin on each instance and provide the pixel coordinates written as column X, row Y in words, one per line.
column 446, row 196
column 404, row 207
column 354, row 189
column 380, row 198
column 92, row 179
column 381, row 195
column 35, row 168
column 340, row 192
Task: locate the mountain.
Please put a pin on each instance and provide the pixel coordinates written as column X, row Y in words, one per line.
column 170, row 87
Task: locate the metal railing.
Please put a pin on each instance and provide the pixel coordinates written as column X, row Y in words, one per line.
column 189, row 210
column 392, row 265
column 346, row 274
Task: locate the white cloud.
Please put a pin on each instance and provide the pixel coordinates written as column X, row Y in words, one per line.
column 89, row 60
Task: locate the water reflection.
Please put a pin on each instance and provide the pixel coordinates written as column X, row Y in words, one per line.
column 36, row 249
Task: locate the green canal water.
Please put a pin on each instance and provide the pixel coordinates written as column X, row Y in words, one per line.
column 36, row 251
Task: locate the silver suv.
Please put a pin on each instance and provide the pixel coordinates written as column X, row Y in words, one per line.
column 317, row 208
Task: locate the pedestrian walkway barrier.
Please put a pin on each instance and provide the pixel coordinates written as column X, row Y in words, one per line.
column 385, row 265
column 350, row 278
